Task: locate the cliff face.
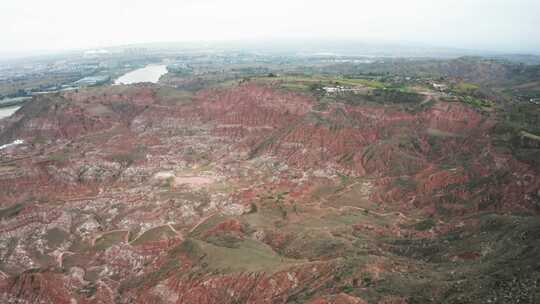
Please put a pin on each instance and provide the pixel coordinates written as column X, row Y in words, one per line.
column 249, row 194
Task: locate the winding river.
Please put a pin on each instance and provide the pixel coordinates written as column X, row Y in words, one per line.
column 150, row 73
column 8, row 111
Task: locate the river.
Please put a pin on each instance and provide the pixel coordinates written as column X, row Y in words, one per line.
column 150, row 73
column 8, row 111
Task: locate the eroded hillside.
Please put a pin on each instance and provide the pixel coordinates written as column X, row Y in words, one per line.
column 249, row 193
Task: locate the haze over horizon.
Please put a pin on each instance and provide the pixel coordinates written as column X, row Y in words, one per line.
column 31, row 26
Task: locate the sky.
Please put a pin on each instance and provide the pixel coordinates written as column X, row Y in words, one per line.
column 28, row 26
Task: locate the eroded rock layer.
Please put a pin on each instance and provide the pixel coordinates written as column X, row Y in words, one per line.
column 250, row 194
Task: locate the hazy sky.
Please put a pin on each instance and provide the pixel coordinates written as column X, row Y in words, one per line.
column 506, row 25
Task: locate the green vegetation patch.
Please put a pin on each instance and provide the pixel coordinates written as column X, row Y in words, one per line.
column 11, row 211
column 476, row 103
column 317, row 82
column 55, row 237
column 425, row 224
column 315, row 245
column 172, row 96
column 60, row 157
column 127, row 158
column 404, row 182
column 249, row 255
column 109, row 239
column 466, row 88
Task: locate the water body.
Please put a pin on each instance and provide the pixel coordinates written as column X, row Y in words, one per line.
column 8, row 111
column 15, row 143
column 150, row 73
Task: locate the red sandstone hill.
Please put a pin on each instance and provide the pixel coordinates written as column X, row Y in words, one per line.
column 250, row 194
